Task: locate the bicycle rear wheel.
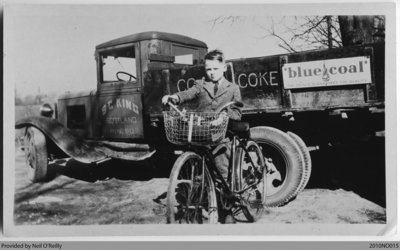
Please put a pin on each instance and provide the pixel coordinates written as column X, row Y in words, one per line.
column 250, row 182
column 191, row 197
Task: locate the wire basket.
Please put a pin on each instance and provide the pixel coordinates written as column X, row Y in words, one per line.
column 195, row 128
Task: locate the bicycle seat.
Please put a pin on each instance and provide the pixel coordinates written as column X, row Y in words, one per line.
column 241, row 129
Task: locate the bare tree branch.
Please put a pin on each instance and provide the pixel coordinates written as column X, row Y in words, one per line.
column 313, row 26
column 285, row 44
column 337, row 32
column 295, row 34
column 288, row 47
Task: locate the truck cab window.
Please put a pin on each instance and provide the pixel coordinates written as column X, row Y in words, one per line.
column 184, row 59
column 119, row 65
column 185, row 55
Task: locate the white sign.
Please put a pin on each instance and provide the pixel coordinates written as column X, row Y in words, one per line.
column 333, row 72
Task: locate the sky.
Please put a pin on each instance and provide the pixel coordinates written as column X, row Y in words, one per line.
column 52, row 46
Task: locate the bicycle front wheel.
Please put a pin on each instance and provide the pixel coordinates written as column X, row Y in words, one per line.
column 249, row 182
column 191, row 197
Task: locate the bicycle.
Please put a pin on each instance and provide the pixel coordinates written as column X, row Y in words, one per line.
column 197, row 192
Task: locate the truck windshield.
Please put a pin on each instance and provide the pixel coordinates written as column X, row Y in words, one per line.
column 119, row 65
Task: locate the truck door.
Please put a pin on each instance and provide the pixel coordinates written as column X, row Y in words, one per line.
column 171, row 73
column 119, row 109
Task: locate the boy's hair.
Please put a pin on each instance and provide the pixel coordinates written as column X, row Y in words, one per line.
column 215, row 55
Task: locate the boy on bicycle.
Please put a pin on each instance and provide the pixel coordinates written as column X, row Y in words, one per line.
column 212, row 95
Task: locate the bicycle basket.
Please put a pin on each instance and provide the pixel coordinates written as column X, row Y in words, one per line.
column 196, row 128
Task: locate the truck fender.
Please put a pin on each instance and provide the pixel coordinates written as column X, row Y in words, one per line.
column 70, row 143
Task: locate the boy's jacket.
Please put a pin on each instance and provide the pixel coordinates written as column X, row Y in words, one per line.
column 203, row 91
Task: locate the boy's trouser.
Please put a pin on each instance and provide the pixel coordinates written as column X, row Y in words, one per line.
column 222, row 154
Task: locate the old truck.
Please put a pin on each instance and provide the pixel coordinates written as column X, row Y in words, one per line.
column 294, row 103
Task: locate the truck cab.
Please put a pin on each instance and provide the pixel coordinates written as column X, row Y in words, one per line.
column 130, row 85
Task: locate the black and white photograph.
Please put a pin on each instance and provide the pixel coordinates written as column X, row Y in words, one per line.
column 247, row 119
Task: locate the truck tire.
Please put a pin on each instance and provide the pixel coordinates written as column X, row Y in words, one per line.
column 284, row 158
column 306, row 157
column 36, row 154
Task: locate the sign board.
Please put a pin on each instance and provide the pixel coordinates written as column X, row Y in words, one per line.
column 333, row 72
column 121, row 116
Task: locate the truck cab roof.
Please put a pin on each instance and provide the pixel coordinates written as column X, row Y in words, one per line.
column 170, row 37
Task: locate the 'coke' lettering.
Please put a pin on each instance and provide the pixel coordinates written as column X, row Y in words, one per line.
column 252, row 79
column 182, row 84
column 257, row 79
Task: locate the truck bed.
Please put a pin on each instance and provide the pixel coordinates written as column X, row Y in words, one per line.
column 341, row 78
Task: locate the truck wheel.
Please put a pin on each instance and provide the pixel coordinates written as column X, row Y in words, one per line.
column 306, row 157
column 36, row 154
column 285, row 164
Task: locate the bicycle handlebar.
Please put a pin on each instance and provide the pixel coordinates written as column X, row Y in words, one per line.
column 176, row 109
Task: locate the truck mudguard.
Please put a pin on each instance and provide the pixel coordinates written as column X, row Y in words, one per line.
column 64, row 138
column 82, row 150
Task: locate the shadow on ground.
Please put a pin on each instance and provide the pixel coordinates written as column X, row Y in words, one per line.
column 119, row 169
column 357, row 167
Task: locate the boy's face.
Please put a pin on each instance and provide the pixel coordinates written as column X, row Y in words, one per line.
column 215, row 70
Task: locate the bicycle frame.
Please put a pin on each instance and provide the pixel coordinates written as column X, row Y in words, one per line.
column 226, row 188
column 236, row 193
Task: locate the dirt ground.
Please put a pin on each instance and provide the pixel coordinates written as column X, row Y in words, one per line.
column 82, row 195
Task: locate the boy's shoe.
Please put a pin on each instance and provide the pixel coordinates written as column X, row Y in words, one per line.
column 229, row 219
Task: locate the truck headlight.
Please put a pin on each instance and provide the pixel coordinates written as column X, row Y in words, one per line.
column 46, row 110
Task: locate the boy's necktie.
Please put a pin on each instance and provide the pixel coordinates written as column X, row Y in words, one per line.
column 215, row 88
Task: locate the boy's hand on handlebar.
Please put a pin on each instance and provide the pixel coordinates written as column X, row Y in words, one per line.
column 172, row 98
column 219, row 120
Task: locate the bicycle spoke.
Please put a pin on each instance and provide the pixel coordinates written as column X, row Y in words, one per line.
column 192, row 171
column 192, row 194
column 188, row 213
column 250, row 183
column 236, row 211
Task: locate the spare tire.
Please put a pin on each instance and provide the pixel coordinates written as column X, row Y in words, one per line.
column 284, row 162
column 307, row 160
